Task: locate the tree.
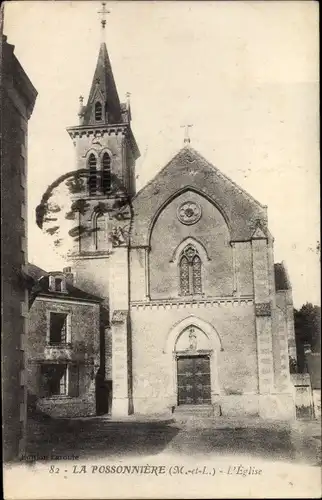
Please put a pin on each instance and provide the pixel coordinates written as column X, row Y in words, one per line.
column 307, row 323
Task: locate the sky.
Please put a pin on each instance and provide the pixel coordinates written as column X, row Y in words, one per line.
column 245, row 74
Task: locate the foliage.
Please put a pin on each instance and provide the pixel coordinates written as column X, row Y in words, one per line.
column 75, row 177
column 118, row 206
column 77, row 206
column 75, row 185
column 308, row 326
column 307, row 323
column 77, row 231
column 52, row 230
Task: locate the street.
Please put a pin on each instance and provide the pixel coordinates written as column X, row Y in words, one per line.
column 102, row 437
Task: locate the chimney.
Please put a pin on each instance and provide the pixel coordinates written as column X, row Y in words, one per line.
column 68, row 275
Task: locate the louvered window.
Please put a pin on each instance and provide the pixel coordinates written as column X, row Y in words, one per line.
column 92, row 179
column 98, row 111
column 106, row 173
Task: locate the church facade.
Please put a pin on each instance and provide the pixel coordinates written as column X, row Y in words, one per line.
column 186, row 269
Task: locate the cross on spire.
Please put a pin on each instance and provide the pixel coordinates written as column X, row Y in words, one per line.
column 103, row 13
column 186, row 133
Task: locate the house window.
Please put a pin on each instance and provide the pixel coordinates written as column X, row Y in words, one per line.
column 190, row 272
column 98, row 111
column 55, row 379
column 92, row 179
column 57, row 284
column 106, row 173
column 58, row 332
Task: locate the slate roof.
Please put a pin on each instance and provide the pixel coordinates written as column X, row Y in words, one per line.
column 41, row 280
column 104, row 83
column 103, row 89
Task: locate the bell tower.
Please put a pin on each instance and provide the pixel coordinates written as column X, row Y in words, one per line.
column 106, row 152
column 101, row 191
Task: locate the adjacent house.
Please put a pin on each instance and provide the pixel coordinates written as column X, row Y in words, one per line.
column 64, row 347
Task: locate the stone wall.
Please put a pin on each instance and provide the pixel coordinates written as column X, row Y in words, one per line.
column 154, row 379
column 214, row 250
column 82, row 355
column 91, row 274
column 17, row 100
column 303, row 395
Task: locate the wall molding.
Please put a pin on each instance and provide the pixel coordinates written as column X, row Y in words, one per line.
column 194, row 304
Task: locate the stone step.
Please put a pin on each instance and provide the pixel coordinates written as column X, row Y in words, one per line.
column 205, row 411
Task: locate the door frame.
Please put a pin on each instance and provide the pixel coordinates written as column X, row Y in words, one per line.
column 214, row 386
column 170, row 352
column 192, row 354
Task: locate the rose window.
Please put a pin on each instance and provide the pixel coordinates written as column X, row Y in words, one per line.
column 189, row 212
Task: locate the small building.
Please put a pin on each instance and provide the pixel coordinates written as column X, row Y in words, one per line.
column 63, row 348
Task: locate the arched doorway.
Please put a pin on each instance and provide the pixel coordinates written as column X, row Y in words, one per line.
column 193, row 367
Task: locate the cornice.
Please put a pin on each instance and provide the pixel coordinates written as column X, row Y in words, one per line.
column 66, row 300
column 81, row 130
column 192, row 304
column 89, row 255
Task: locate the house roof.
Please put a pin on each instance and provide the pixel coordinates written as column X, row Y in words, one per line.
column 41, row 282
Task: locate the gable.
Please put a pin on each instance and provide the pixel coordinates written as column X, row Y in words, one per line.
column 188, row 170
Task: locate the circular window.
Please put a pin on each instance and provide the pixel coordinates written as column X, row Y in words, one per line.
column 189, row 212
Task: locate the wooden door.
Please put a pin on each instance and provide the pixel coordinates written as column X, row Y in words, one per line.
column 193, row 380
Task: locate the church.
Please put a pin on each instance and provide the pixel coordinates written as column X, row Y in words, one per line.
column 199, row 315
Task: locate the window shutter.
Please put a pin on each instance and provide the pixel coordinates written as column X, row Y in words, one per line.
column 73, row 389
column 52, row 283
column 42, row 382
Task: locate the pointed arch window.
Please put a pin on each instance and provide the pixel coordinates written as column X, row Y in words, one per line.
column 100, row 236
column 106, row 173
column 98, row 111
column 190, row 271
column 184, row 276
column 92, row 179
